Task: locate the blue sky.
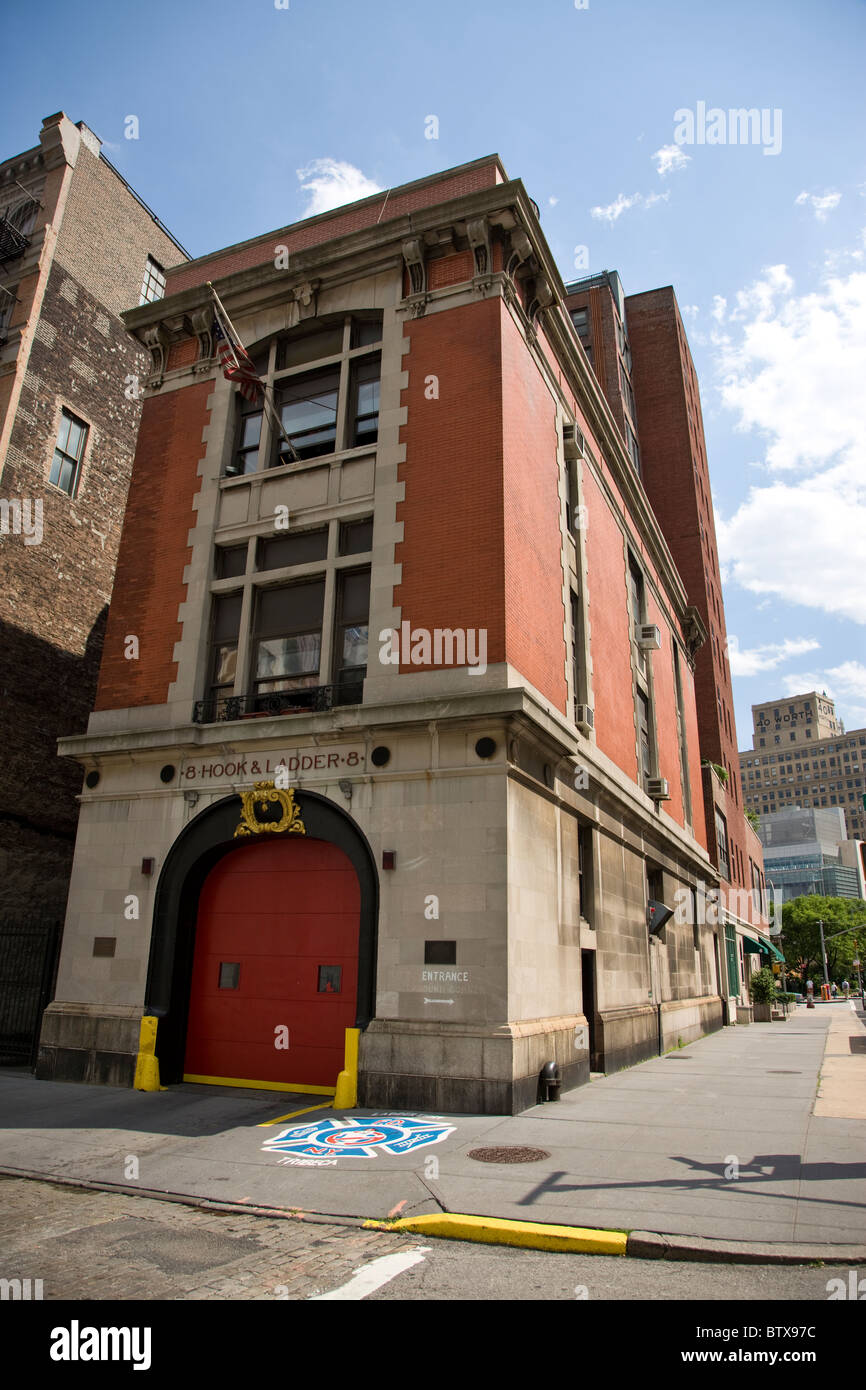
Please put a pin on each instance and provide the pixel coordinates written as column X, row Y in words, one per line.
column 767, row 252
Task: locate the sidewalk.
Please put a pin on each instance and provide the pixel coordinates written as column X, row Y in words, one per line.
column 722, row 1140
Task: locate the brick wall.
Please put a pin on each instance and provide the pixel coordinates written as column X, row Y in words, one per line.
column 55, row 594
column 452, row 551
column 149, row 581
column 533, row 541
column 106, row 236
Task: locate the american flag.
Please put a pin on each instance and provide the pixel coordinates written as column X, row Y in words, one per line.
column 236, row 365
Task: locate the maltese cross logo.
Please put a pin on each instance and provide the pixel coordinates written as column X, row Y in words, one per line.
column 390, row 1134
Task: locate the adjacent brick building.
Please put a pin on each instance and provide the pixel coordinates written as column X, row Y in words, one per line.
column 639, row 351
column 77, row 248
column 406, row 748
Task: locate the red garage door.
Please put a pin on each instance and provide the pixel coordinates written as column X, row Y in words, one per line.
column 276, row 960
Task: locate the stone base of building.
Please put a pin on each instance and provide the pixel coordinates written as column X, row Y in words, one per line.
column 637, row 1032
column 460, row 1069
column 95, row 1043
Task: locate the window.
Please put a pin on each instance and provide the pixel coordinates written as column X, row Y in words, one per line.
column 153, row 285
column 722, row 842
column 644, row 734
column 224, row 644
column 8, row 300
column 352, row 631
column 308, row 412
column 365, row 395
column 287, row 638
column 325, row 384
column 356, row 537
column 279, row 552
column 68, row 453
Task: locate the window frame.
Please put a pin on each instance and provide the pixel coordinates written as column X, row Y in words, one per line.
column 77, row 462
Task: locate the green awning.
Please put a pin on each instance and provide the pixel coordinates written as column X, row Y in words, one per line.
column 768, row 949
column 759, row 947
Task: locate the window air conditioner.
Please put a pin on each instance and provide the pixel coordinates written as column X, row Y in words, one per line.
column 584, row 717
column 648, row 637
column 658, row 788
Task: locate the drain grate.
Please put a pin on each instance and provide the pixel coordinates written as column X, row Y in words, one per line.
column 508, row 1153
column 679, row 1057
column 784, row 1073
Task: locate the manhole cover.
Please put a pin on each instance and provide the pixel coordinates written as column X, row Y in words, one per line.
column 784, row 1073
column 508, row 1153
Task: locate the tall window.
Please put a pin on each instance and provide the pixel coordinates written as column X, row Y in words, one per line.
column 68, row 453
column 290, row 619
column 325, row 384
column 681, row 735
column 351, row 632
column 287, row 639
column 722, row 842
column 642, row 675
column 153, row 284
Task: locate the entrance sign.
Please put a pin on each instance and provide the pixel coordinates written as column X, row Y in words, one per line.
column 238, row 766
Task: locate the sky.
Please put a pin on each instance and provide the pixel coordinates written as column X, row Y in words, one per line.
column 253, row 114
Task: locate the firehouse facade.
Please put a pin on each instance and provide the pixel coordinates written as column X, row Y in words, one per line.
column 396, row 726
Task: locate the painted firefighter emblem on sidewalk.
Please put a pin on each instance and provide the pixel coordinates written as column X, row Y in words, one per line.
column 366, row 1138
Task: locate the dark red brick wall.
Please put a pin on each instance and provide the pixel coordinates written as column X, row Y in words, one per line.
column 154, row 551
column 452, row 553
column 676, row 478
column 534, row 610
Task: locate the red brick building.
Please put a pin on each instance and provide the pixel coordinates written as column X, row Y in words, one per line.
column 396, row 739
column 639, row 350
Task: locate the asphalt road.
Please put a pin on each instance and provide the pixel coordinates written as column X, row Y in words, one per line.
column 92, row 1246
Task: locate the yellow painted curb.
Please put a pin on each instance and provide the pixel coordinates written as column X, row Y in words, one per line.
column 258, row 1085
column 326, row 1105
column 489, row 1230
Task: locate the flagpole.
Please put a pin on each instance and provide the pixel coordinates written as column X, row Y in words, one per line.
column 268, row 403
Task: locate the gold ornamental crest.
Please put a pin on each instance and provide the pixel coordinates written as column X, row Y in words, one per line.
column 265, row 794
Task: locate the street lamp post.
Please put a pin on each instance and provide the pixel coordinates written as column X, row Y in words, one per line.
column 778, row 934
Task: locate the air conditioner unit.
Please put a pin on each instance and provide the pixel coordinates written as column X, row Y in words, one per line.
column 573, row 443
column 658, row 788
column 648, row 637
column 584, row 717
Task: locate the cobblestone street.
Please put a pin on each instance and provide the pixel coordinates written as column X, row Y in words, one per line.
column 92, row 1245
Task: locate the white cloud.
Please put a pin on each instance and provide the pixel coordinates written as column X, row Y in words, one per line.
column 846, row 684
column 766, row 658
column 331, row 182
column 669, row 159
column 690, row 310
column 821, row 205
column 792, row 369
column 553, row 201
column 622, row 204
column 720, row 308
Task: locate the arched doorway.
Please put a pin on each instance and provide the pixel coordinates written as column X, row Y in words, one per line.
column 207, row 842
column 275, row 965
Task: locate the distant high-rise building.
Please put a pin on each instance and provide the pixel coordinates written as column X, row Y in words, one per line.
column 802, row 756
column 806, row 851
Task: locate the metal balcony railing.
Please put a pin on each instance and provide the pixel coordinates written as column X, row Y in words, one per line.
column 310, row 699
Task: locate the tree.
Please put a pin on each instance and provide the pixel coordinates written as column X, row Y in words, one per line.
column 801, row 937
